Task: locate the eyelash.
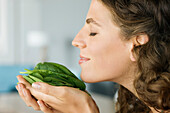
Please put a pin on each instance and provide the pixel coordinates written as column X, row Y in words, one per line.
column 93, row 34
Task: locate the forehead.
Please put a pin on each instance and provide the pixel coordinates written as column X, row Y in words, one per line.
column 99, row 12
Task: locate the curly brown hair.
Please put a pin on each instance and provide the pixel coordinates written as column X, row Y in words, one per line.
column 151, row 17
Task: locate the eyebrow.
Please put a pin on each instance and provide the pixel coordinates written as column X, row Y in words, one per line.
column 90, row 20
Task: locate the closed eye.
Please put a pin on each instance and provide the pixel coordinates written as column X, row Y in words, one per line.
column 93, row 34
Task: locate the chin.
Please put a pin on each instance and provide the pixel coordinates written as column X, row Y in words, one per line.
column 89, row 78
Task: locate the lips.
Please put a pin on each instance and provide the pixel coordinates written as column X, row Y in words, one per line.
column 83, row 59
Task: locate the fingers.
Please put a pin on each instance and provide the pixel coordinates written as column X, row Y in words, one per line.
column 43, row 87
column 23, row 81
column 47, row 109
column 26, row 96
column 43, row 107
column 55, row 91
column 45, row 97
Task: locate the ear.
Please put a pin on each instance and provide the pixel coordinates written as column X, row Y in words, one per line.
column 137, row 40
column 141, row 39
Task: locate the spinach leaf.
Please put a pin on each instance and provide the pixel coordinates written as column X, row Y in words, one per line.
column 53, row 74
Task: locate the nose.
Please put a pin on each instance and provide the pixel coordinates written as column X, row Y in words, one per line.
column 79, row 40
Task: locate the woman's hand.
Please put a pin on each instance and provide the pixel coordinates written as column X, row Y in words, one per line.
column 53, row 99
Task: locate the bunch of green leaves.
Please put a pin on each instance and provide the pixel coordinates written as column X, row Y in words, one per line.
column 53, row 74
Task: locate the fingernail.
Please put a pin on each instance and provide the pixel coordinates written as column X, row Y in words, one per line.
column 18, row 78
column 36, row 86
column 39, row 103
column 20, row 87
column 24, row 92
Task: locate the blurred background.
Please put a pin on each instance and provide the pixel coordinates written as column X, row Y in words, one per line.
column 33, row 31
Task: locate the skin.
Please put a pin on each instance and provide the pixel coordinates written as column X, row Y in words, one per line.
column 52, row 99
column 111, row 59
column 109, row 55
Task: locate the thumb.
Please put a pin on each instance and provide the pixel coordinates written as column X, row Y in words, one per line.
column 46, row 88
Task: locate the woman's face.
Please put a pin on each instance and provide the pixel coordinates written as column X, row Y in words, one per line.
column 103, row 55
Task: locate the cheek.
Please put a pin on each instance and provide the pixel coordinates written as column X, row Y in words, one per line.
column 109, row 61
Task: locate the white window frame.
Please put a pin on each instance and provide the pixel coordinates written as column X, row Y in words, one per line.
column 7, row 32
column 3, row 28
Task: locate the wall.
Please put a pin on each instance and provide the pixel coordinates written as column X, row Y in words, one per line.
column 60, row 19
column 63, row 20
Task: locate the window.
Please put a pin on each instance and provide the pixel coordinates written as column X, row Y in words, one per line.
column 3, row 28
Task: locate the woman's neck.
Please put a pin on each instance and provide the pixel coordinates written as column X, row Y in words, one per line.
column 127, row 80
column 128, row 83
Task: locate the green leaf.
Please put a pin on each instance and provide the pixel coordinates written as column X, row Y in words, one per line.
column 57, row 80
column 75, row 82
column 47, row 66
column 27, row 78
column 35, row 78
column 38, row 75
column 54, row 74
column 63, row 68
column 27, row 71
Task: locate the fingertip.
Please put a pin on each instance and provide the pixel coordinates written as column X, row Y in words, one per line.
column 21, row 85
column 39, row 103
column 19, row 76
column 23, row 81
column 36, row 85
column 43, row 107
column 40, row 84
column 16, row 87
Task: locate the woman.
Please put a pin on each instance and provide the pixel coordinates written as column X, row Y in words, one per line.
column 124, row 41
